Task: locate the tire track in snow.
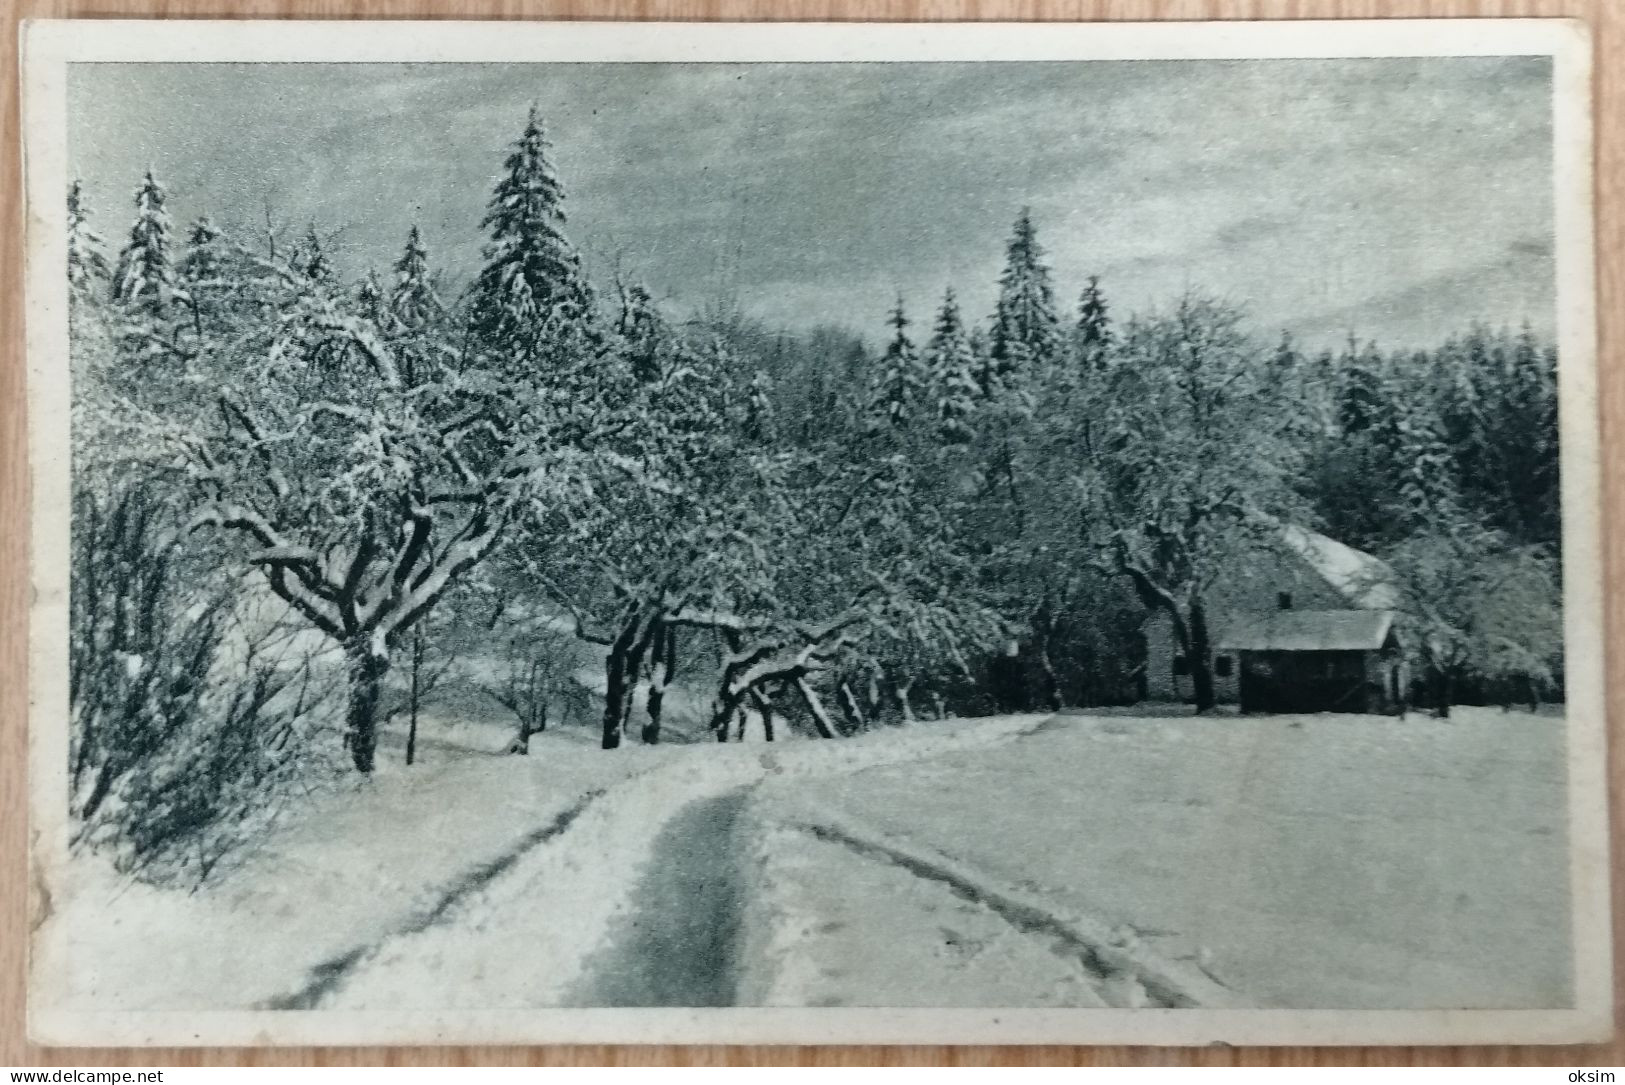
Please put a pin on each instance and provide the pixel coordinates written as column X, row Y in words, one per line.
column 326, row 977
column 536, row 926
column 1120, row 963
column 680, row 945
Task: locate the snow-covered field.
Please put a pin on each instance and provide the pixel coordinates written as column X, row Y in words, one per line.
column 1077, row 861
column 1306, row 862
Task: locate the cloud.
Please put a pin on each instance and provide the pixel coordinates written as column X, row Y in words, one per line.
column 1313, row 191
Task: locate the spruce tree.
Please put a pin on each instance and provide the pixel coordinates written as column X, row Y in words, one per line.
column 202, row 259
column 987, row 378
column 951, row 364
column 1093, row 334
column 1360, row 397
column 87, row 264
column 759, row 425
column 532, row 278
column 898, row 387
column 144, row 277
column 414, row 302
column 643, row 332
column 1025, row 332
column 369, row 296
column 315, row 264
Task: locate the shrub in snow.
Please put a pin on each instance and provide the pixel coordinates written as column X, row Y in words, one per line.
column 186, row 728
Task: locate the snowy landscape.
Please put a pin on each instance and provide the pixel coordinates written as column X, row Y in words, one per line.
column 789, row 589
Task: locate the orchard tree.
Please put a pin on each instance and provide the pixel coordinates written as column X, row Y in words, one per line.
column 1476, row 605
column 360, row 496
column 1187, row 466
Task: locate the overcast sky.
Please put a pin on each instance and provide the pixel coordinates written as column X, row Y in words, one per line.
column 1395, row 199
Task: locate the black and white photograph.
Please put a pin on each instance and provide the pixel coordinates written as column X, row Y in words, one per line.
column 880, row 534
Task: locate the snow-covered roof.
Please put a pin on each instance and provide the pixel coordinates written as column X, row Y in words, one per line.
column 1366, row 582
column 1303, row 630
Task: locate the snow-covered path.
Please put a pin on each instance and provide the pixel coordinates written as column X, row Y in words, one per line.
column 680, row 946
column 613, row 910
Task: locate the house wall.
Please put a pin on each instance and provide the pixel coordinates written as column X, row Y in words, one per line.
column 1253, row 581
column 1162, row 684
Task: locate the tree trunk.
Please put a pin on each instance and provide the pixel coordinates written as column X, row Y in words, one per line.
column 361, row 720
column 665, row 663
column 764, row 705
column 615, row 688
column 1043, row 634
column 634, row 667
column 815, row 708
column 903, row 701
column 850, row 706
column 939, row 706
column 1443, row 692
column 412, row 704
column 1200, row 657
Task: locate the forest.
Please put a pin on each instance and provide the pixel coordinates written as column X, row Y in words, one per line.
column 301, row 500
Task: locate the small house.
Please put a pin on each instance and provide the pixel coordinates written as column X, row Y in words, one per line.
column 1301, row 624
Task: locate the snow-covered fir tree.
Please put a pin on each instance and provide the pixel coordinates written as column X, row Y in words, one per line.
column 951, row 363
column 1025, row 332
column 369, row 297
column 145, row 276
column 87, row 263
column 643, row 332
column 313, row 258
column 202, row 259
column 532, row 278
column 414, row 301
column 900, row 384
column 1093, row 332
column 760, row 426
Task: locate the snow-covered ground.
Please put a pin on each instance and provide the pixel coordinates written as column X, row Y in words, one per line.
column 472, row 879
column 1332, row 861
column 1306, row 862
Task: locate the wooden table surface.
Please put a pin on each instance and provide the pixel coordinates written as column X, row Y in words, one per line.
column 1607, row 20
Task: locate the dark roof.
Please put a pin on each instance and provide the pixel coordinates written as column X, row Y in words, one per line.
column 1303, row 630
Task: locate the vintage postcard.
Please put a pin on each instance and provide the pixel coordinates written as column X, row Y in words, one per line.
column 814, row 533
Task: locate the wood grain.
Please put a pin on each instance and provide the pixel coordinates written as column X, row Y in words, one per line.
column 1607, row 20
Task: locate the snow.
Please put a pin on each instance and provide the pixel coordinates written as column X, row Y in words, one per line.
column 427, row 886
column 1302, row 861
column 1316, row 862
column 361, row 859
column 830, row 929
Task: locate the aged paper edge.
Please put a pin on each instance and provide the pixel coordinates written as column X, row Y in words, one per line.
column 48, row 46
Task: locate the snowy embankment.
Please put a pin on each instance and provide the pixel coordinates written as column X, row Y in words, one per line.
column 1298, row 861
column 352, row 862
column 477, row 880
